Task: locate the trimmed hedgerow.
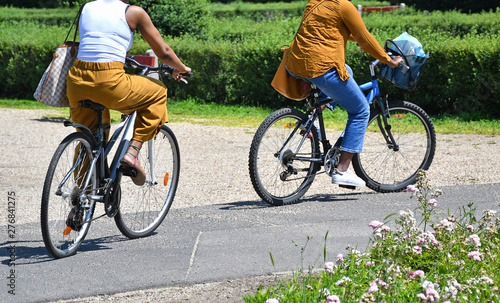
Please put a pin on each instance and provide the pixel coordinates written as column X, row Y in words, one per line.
column 462, row 73
column 25, row 51
column 235, row 60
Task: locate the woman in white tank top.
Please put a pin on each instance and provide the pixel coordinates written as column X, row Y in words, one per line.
column 106, row 34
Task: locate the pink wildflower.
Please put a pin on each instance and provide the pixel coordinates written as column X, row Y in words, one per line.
column 475, row 240
column 325, row 292
column 340, row 258
column 430, row 295
column 309, row 286
column 329, row 266
column 332, row 299
column 272, row 300
column 432, row 202
column 411, row 188
column 373, row 287
column 375, row 224
column 417, row 249
column 385, row 228
column 475, row 255
column 416, row 274
column 470, row 228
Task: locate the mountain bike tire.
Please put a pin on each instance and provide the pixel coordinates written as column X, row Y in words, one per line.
column 269, row 156
column 388, row 169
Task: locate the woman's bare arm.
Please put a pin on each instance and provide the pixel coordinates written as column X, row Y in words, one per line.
column 137, row 18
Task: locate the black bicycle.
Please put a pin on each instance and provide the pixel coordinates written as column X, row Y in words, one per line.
column 285, row 155
column 79, row 177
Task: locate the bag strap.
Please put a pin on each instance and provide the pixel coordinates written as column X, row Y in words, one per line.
column 301, row 21
column 77, row 21
column 307, row 15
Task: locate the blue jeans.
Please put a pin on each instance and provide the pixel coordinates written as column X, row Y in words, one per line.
column 348, row 95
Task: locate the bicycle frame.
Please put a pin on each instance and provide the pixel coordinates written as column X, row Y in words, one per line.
column 101, row 150
column 373, row 94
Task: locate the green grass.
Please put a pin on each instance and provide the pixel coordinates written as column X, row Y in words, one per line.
column 21, row 104
column 194, row 111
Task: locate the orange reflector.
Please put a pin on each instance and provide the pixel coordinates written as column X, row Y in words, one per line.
column 165, row 180
column 289, row 125
column 67, row 231
column 398, row 116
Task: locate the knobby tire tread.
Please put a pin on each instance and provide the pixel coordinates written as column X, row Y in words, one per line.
column 426, row 121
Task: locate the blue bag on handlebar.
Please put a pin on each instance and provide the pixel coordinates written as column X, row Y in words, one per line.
column 410, row 49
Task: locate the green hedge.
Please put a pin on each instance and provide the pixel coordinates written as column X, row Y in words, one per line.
column 25, row 51
column 466, row 6
column 451, row 23
column 46, row 16
column 462, row 74
column 237, row 60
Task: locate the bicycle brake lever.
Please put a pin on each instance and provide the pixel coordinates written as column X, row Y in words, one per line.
column 404, row 67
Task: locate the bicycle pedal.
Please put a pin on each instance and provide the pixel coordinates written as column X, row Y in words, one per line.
column 128, row 171
column 347, row 186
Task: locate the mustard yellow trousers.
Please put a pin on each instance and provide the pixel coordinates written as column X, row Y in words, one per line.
column 109, row 85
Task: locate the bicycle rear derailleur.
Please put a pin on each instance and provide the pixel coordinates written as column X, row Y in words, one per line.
column 286, row 159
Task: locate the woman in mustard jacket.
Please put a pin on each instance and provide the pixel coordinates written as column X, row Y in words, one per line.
column 317, row 53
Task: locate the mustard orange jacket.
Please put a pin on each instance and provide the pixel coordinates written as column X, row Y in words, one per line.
column 321, row 40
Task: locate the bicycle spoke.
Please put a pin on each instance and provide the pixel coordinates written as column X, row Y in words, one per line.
column 277, row 173
column 143, row 208
column 386, row 169
column 64, row 221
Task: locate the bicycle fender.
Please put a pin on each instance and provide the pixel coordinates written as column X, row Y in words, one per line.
column 84, row 129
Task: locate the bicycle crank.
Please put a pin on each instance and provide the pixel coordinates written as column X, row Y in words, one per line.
column 332, row 160
column 112, row 196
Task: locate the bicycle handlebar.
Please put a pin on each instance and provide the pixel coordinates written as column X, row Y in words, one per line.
column 130, row 62
column 405, row 68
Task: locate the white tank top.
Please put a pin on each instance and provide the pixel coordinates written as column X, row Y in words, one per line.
column 104, row 33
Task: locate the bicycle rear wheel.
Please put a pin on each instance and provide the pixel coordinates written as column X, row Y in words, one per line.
column 143, row 208
column 387, row 168
column 282, row 174
column 64, row 221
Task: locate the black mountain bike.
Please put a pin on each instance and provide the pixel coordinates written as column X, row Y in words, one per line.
column 286, row 154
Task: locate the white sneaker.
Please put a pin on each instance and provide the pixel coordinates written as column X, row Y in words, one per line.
column 347, row 178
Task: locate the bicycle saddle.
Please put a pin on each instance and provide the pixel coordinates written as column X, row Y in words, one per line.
column 92, row 105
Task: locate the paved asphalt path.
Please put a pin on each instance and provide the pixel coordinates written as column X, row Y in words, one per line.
column 210, row 243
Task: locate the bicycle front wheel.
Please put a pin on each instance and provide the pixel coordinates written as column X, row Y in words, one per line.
column 390, row 168
column 143, row 208
column 281, row 166
column 65, row 218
